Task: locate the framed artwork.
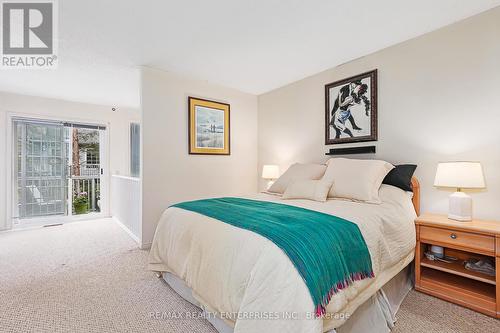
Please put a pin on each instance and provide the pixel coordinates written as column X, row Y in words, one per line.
column 209, row 127
column 351, row 109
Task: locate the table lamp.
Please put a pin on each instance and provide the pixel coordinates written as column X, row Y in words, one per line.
column 460, row 175
column 271, row 173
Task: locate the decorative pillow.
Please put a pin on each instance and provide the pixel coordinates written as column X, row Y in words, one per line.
column 400, row 176
column 316, row 190
column 356, row 179
column 297, row 172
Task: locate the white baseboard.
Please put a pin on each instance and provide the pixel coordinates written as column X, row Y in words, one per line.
column 146, row 246
column 127, row 230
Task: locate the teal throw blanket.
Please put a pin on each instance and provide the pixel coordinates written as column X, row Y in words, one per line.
column 328, row 252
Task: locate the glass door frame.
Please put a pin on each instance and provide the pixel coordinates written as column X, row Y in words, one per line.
column 11, row 221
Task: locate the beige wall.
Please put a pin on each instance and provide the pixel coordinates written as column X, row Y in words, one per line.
column 169, row 174
column 117, row 123
column 439, row 100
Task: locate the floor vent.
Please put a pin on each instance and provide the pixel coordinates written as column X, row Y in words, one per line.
column 52, row 225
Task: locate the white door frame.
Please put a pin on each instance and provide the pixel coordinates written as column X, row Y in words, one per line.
column 40, row 221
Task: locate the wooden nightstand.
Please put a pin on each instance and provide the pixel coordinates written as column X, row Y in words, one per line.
column 452, row 282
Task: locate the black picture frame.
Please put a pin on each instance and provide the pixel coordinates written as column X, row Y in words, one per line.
column 330, row 127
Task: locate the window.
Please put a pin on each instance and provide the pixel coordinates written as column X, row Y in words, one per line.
column 135, row 150
column 92, row 157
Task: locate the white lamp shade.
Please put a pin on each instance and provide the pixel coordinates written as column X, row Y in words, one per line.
column 459, row 175
column 270, row 172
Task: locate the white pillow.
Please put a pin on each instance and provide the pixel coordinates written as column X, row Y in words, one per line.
column 316, row 190
column 356, row 179
column 389, row 193
column 297, row 172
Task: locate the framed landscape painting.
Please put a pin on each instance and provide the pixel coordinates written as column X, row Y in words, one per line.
column 209, row 132
column 351, row 109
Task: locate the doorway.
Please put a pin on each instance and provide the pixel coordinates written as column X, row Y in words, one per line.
column 58, row 171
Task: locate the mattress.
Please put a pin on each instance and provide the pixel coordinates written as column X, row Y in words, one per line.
column 376, row 314
column 253, row 286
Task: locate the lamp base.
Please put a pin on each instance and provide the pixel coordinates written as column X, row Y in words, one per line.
column 460, row 208
column 269, row 184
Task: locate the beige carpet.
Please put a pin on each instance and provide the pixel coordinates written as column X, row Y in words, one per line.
column 90, row 277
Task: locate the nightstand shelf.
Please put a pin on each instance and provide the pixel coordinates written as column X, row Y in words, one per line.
column 451, row 281
column 457, row 268
column 456, row 289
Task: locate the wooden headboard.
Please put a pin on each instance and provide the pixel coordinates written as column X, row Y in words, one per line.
column 415, row 186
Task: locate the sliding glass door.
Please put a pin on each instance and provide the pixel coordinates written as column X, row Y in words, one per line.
column 58, row 170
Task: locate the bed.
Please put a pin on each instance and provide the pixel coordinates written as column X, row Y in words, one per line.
column 247, row 284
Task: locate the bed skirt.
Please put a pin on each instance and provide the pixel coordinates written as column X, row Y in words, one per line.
column 377, row 314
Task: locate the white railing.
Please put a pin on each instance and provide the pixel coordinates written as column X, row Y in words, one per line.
column 90, row 185
column 88, row 181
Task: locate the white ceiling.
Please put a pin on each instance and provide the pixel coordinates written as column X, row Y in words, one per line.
column 252, row 45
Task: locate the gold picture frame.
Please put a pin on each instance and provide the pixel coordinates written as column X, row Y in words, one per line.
column 209, row 127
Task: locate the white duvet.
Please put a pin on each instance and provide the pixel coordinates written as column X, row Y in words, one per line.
column 250, row 283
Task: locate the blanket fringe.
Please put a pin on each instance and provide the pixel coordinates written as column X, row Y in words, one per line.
column 321, row 308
